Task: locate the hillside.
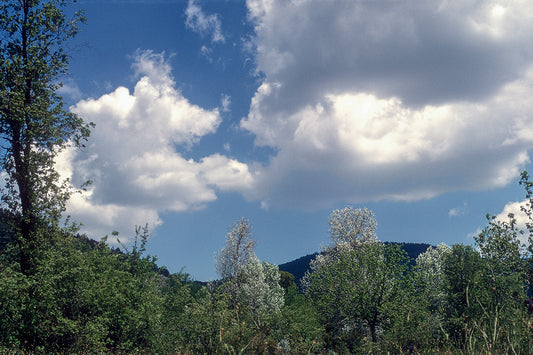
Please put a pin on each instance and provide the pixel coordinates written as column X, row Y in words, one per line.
column 299, row 266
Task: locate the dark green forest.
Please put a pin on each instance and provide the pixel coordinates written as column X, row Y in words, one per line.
column 66, row 293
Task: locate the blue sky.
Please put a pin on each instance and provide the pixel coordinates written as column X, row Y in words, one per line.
column 281, row 111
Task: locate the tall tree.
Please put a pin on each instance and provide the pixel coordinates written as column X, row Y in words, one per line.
column 429, row 266
column 34, row 125
column 349, row 229
column 237, row 252
column 259, row 289
column 353, row 226
column 527, row 208
column 357, row 283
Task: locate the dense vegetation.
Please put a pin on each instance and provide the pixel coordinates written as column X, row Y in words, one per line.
column 65, row 293
column 359, row 296
column 299, row 267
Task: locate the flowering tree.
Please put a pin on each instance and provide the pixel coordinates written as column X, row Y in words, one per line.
column 259, row 289
column 247, row 280
column 357, row 283
column 237, row 252
column 352, row 226
column 430, row 269
column 361, row 290
column 349, row 228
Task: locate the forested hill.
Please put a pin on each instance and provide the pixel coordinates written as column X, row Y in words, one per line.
column 299, row 266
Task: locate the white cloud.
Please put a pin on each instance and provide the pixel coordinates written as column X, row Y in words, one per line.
column 132, row 158
column 520, row 217
column 152, row 65
column 225, row 103
column 203, row 24
column 69, row 89
column 207, row 53
column 226, row 174
column 515, row 208
column 458, row 211
column 397, row 100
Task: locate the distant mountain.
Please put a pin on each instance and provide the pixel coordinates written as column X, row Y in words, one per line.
column 414, row 249
column 299, row 266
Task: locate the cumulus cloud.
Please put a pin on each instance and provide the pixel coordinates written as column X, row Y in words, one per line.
column 391, row 100
column 132, row 159
column 515, row 208
column 203, row 24
column 520, row 217
column 424, row 52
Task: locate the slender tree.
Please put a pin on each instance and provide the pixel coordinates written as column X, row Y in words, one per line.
column 237, row 252
column 34, row 125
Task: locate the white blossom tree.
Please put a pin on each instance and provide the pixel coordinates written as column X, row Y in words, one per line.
column 349, row 228
column 352, row 226
column 248, row 281
column 357, row 283
column 259, row 289
column 430, row 266
column 238, row 251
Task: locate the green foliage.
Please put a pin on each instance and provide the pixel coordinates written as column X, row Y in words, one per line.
column 527, row 208
column 359, row 292
column 176, row 290
column 7, row 233
column 462, row 275
column 365, row 298
column 286, row 280
column 485, row 293
column 301, row 329
column 34, row 125
column 66, row 294
column 211, row 326
column 87, row 299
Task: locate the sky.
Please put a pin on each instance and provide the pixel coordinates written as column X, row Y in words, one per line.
column 282, row 111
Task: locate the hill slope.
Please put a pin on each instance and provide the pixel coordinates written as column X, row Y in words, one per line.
column 299, row 266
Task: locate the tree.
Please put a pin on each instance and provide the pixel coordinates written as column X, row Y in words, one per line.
column 260, row 290
column 352, row 226
column 505, row 284
column 357, row 282
column 359, row 292
column 286, row 280
column 237, row 252
column 527, row 208
column 247, row 280
column 34, row 125
column 86, row 298
column 302, row 329
column 485, row 301
column 430, row 270
column 349, row 228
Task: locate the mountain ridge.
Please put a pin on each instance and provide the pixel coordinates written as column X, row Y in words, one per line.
column 299, row 266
